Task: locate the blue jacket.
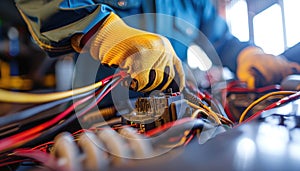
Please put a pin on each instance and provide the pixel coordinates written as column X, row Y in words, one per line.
column 52, row 23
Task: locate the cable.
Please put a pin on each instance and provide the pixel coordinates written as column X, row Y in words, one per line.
column 31, row 112
column 223, row 119
column 209, row 112
column 98, row 116
column 183, row 127
column 31, row 133
column 189, row 139
column 19, row 97
column 183, row 124
column 217, row 105
column 243, row 115
column 196, row 113
column 214, row 103
column 25, row 136
column 273, row 105
column 72, row 118
column 194, row 101
column 35, row 111
column 100, row 96
column 103, row 92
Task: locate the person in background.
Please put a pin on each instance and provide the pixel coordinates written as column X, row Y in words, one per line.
column 152, row 60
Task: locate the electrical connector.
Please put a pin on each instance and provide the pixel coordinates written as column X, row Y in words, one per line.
column 151, row 112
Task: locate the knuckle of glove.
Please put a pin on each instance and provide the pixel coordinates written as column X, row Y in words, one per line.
column 163, row 71
column 252, row 69
column 155, row 58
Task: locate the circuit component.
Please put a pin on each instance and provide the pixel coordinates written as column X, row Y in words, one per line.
column 151, row 112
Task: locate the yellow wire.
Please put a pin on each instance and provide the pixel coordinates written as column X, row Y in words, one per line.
column 209, row 112
column 225, row 120
column 243, row 115
column 195, row 114
column 19, row 97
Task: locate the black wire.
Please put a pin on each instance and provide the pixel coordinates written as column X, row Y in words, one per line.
column 31, row 112
column 71, row 121
column 191, row 97
column 177, row 129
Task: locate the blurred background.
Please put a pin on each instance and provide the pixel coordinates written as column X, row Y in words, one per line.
column 270, row 24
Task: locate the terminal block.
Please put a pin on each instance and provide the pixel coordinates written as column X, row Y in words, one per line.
column 154, row 111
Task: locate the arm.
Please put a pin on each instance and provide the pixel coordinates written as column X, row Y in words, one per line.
column 53, row 23
column 148, row 58
column 293, row 53
column 216, row 30
column 248, row 61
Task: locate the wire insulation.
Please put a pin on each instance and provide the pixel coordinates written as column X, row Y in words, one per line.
column 273, row 105
column 19, row 97
column 25, row 136
column 208, row 111
column 243, row 115
column 36, row 110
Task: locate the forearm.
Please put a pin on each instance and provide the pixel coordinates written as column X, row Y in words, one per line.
column 53, row 23
column 293, row 53
column 230, row 50
column 216, row 30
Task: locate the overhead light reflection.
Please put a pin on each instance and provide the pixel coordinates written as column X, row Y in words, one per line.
column 272, row 139
column 245, row 153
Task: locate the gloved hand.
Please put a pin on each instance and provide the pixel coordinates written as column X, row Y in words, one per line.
column 258, row 69
column 149, row 58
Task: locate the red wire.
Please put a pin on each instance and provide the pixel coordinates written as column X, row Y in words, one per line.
column 103, row 95
column 12, row 162
column 167, row 126
column 42, row 145
column 273, row 105
column 238, row 86
column 29, row 134
column 25, row 136
column 229, row 114
column 189, row 139
column 80, row 131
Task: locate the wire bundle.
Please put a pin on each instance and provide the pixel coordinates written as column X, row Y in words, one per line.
column 87, row 150
column 99, row 148
column 292, row 96
column 196, row 103
column 79, row 102
column 83, row 100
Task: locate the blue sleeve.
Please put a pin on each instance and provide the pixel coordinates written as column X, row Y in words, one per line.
column 216, row 30
column 53, row 23
column 293, row 53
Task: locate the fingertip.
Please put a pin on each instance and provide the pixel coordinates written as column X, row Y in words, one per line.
column 251, row 82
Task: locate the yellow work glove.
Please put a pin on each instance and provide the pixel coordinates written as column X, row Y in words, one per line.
column 259, row 69
column 148, row 58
